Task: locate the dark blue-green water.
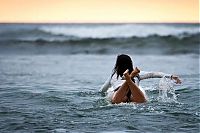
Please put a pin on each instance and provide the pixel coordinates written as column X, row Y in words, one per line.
column 60, row 93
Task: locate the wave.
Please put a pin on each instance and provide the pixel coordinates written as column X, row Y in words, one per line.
column 94, row 31
column 119, row 31
column 190, row 38
column 143, row 38
column 139, row 45
column 42, row 37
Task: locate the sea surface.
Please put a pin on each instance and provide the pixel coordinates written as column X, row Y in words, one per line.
column 51, row 74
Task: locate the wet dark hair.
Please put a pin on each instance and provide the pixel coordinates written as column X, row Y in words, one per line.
column 123, row 63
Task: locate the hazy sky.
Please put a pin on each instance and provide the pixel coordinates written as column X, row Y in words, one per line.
column 99, row 11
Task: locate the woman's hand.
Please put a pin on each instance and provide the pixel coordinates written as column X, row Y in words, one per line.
column 176, row 78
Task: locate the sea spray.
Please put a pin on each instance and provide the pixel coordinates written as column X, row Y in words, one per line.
column 166, row 90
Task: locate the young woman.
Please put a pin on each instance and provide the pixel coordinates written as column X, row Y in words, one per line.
column 123, row 85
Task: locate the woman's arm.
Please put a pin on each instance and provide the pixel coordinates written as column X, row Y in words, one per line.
column 147, row 75
column 106, row 85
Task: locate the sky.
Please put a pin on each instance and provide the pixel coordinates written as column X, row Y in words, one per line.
column 99, row 11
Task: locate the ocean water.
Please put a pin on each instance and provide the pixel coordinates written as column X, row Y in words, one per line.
column 99, row 38
column 50, row 76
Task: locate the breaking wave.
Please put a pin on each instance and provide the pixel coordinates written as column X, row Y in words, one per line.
column 181, row 38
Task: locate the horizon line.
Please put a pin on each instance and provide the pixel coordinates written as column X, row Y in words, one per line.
column 99, row 22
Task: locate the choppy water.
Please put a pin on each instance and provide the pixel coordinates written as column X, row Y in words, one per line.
column 60, row 93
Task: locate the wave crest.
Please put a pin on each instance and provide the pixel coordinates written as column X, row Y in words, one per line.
column 101, row 38
column 118, row 31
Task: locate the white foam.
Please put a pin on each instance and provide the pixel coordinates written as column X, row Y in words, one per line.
column 60, row 130
column 118, row 31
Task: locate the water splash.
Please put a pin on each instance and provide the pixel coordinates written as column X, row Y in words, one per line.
column 166, row 90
